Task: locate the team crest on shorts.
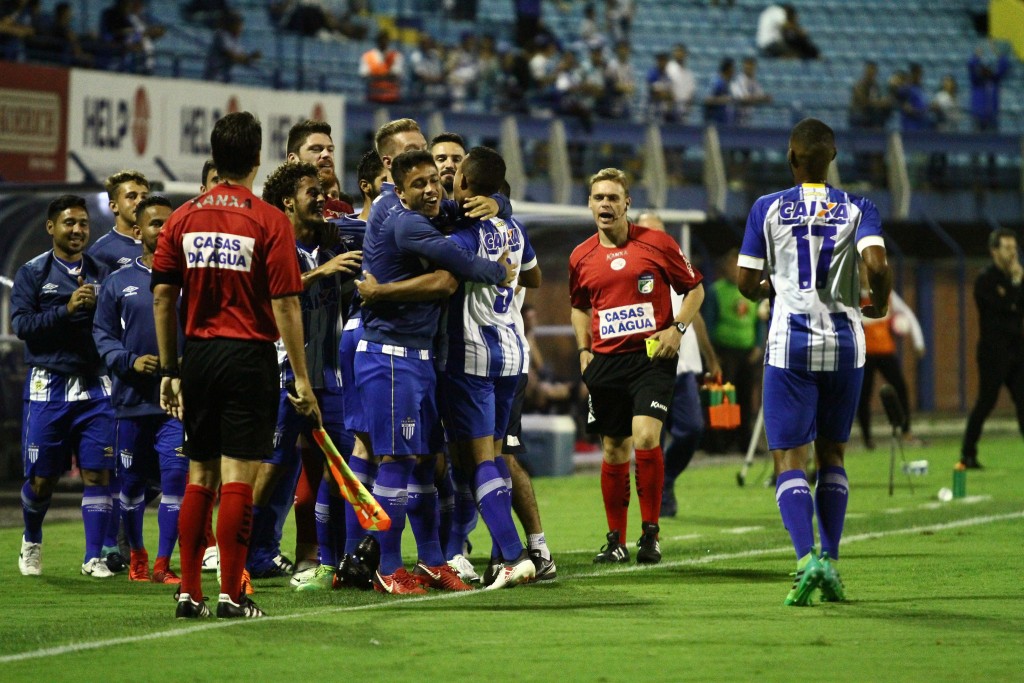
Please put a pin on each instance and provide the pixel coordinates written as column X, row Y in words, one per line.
column 126, row 459
column 408, row 428
column 33, row 453
column 645, row 283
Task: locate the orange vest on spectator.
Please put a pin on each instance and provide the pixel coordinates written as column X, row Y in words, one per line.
column 381, row 85
column 878, row 338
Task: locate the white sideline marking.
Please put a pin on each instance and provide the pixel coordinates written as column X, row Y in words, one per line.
column 742, row 530
column 705, row 559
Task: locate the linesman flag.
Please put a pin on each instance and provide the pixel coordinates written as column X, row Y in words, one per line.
column 371, row 515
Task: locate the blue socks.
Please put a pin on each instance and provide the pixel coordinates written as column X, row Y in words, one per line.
column 422, row 511
column 33, row 510
column 831, row 495
column 96, row 508
column 391, row 491
column 463, row 515
column 173, row 484
column 114, row 521
column 495, row 501
column 793, row 495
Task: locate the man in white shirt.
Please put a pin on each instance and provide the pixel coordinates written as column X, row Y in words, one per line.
column 683, row 83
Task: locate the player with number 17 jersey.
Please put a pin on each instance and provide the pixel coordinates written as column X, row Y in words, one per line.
column 809, row 237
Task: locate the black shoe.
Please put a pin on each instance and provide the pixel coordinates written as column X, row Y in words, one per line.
column 612, row 551
column 669, row 506
column 190, row 609
column 353, row 573
column 368, row 552
column 648, row 548
column 243, row 609
column 115, row 562
column 971, row 462
column 546, row 570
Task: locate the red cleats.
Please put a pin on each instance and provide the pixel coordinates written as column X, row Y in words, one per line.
column 443, row 578
column 399, row 583
column 138, row 567
column 162, row 572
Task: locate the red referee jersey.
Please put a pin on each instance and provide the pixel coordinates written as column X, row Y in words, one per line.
column 231, row 253
column 628, row 287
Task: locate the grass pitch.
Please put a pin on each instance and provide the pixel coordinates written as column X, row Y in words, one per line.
column 935, row 595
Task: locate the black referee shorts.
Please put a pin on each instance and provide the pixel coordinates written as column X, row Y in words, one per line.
column 624, row 385
column 230, row 389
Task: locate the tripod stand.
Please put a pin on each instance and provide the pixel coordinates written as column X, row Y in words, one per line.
column 894, row 411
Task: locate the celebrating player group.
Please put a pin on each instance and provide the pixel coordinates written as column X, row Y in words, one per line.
column 244, row 353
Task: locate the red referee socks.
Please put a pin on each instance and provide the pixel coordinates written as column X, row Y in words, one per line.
column 650, row 479
column 234, row 527
column 615, row 489
column 196, row 507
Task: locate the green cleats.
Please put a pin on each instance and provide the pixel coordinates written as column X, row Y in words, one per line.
column 805, row 582
column 322, row 579
column 832, row 589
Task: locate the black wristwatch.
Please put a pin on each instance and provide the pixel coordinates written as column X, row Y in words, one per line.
column 169, row 372
column 681, row 327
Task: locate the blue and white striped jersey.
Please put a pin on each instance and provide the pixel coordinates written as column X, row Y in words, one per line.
column 482, row 336
column 810, row 238
column 321, row 324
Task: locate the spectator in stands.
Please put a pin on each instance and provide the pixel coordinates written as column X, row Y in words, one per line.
column 428, row 83
column 570, row 89
column 684, row 85
column 986, row 79
column 528, row 24
column 779, row 34
column 659, row 90
column 130, row 35
column 462, row 71
column 913, row 101
column 595, row 82
column 718, row 105
column 145, row 31
column 513, row 82
column 590, row 35
column 56, row 41
column 618, row 15
column 15, row 28
column 621, row 81
column 488, row 66
column 869, row 108
column 383, row 69
column 226, row 50
column 310, row 18
column 543, row 72
column 946, row 106
column 747, row 92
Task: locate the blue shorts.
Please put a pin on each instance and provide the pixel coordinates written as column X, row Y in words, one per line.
column 290, row 424
column 398, row 394
column 150, row 444
column 474, row 407
column 355, row 419
column 52, row 431
column 802, row 405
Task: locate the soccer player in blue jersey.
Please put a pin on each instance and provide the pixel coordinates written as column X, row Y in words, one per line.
column 148, row 442
column 809, row 239
column 393, row 360
column 485, row 360
column 117, row 249
column 295, row 189
column 67, row 395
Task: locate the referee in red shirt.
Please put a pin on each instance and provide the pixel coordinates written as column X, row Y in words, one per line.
column 231, row 257
column 619, row 284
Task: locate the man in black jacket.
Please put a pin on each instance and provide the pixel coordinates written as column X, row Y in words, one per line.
column 999, row 294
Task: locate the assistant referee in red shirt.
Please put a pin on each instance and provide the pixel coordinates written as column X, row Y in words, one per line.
column 231, row 257
column 620, row 283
